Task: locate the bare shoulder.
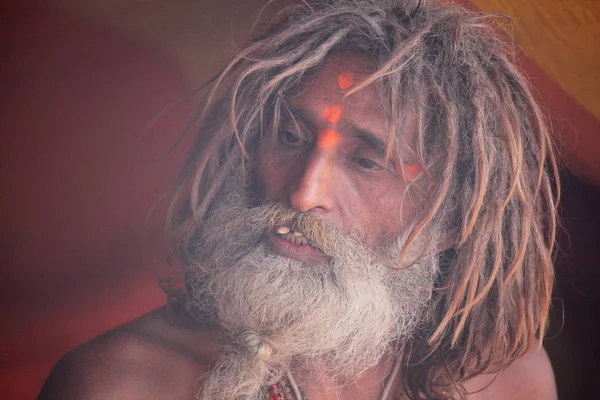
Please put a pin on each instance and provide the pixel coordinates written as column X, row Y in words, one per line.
column 148, row 358
column 528, row 378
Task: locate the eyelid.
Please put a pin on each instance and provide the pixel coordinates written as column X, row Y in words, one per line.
column 299, row 134
column 378, row 167
column 294, row 125
column 286, row 146
column 282, row 132
column 357, row 160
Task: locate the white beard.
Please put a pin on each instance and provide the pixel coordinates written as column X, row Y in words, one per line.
column 344, row 316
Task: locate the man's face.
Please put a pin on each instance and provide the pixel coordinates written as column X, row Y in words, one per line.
column 328, row 159
column 326, row 197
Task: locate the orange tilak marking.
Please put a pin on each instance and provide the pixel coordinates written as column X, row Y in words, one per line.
column 332, row 113
column 328, row 138
column 345, row 80
column 411, row 170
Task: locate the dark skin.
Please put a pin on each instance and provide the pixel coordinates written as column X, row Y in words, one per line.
column 153, row 358
column 343, row 177
column 330, row 159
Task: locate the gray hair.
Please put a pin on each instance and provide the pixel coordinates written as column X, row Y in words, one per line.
column 480, row 135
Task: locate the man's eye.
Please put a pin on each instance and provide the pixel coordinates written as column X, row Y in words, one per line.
column 368, row 164
column 288, row 138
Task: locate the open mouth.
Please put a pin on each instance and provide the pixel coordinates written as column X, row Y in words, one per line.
column 292, row 235
column 289, row 242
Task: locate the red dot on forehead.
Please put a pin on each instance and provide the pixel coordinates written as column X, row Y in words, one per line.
column 345, row 80
column 328, row 138
column 332, row 114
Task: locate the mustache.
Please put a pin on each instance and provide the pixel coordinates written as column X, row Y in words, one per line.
column 318, row 233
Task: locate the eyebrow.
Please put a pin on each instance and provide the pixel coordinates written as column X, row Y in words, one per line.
column 367, row 137
column 299, row 115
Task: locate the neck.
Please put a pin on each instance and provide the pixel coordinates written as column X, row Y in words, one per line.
column 316, row 383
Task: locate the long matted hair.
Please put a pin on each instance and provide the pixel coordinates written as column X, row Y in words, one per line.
column 480, row 134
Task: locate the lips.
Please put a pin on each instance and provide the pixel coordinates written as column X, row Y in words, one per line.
column 291, row 235
column 292, row 243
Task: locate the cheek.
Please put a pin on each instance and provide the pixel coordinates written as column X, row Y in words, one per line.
column 386, row 211
column 274, row 175
column 267, row 174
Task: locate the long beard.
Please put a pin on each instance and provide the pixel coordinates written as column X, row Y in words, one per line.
column 342, row 316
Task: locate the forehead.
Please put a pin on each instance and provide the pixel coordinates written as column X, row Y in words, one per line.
column 353, row 67
column 331, row 85
column 363, row 109
column 337, row 75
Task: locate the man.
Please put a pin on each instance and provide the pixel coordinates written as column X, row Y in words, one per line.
column 366, row 213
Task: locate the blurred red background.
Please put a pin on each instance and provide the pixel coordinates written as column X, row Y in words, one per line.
column 81, row 166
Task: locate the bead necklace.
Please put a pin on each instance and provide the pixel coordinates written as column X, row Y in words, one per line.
column 287, row 389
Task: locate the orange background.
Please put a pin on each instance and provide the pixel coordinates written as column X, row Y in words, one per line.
column 80, row 82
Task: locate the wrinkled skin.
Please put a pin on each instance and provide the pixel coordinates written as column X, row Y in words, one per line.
column 327, row 160
column 337, row 175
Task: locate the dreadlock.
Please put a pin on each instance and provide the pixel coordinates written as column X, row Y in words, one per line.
column 480, row 133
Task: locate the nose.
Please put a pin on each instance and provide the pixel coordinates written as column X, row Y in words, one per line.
column 313, row 188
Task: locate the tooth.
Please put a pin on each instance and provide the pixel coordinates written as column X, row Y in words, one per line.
column 298, row 234
column 282, row 230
